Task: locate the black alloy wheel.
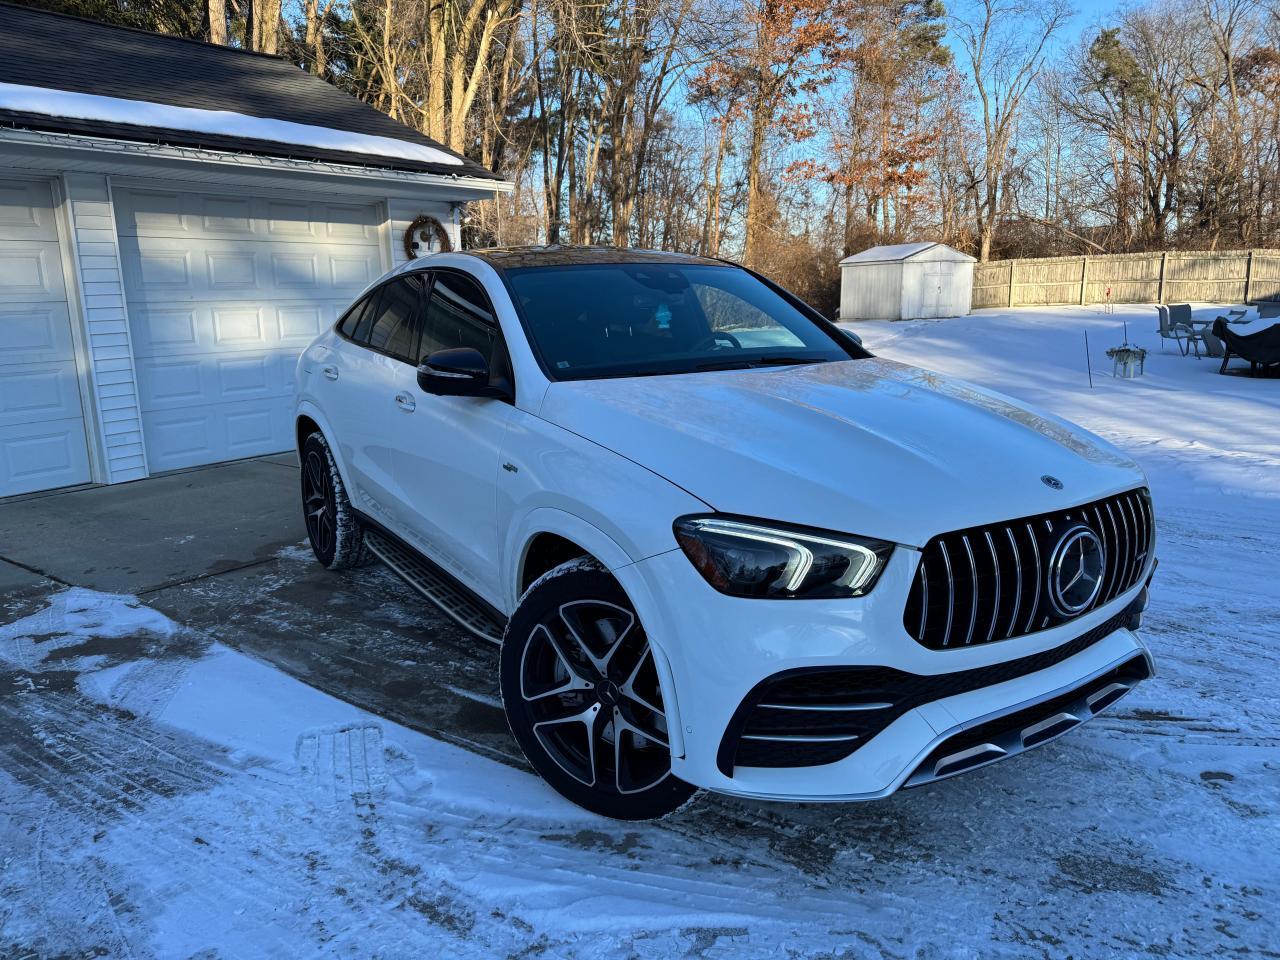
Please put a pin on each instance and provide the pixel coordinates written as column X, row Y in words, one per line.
column 335, row 534
column 318, row 503
column 581, row 690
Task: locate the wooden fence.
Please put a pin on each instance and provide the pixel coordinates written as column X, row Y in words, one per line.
column 1228, row 276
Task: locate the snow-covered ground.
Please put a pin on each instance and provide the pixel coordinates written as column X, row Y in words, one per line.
column 163, row 795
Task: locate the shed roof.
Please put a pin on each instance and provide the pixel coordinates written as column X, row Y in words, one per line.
column 897, row 252
column 114, row 78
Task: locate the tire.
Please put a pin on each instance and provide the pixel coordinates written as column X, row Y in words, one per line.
column 337, row 539
column 581, row 693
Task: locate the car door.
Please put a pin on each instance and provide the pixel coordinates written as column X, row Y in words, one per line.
column 371, row 393
column 451, row 451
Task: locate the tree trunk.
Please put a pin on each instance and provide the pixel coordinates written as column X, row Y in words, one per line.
column 756, row 199
column 318, row 60
column 266, row 26
column 218, row 21
column 711, row 221
column 435, row 69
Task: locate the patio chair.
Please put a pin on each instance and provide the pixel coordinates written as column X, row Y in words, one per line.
column 1177, row 329
column 1261, row 349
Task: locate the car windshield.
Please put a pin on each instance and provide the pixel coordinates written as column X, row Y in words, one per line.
column 588, row 321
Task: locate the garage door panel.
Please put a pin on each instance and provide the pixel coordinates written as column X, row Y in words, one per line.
column 169, row 383
column 179, row 215
column 39, row 391
column 232, row 272
column 222, row 216
column 188, row 437
column 39, row 456
column 197, row 327
column 345, row 222
column 290, row 220
column 150, row 213
column 157, row 271
column 30, row 271
column 239, row 327
column 168, row 269
column 295, row 271
column 35, row 333
column 248, row 377
column 299, row 324
column 181, row 438
column 26, row 211
column 354, row 272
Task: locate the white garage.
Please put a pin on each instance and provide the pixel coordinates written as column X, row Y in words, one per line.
column 177, row 221
column 224, row 292
column 42, row 430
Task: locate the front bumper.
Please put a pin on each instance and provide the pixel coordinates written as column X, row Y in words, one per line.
column 716, row 650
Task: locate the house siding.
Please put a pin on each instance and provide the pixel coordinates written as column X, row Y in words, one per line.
column 96, row 255
column 401, row 213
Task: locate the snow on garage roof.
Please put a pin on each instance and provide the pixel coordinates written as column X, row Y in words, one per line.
column 69, row 75
column 141, row 113
column 892, row 253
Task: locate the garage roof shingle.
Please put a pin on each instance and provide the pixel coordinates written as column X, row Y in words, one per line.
column 42, row 49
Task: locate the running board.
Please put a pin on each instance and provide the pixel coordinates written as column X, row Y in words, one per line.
column 423, row 576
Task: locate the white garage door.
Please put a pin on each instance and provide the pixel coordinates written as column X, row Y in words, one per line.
column 224, row 292
column 42, row 439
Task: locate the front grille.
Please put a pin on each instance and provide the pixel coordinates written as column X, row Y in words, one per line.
column 992, row 583
column 810, row 716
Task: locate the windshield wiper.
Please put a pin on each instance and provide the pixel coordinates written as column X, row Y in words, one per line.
column 745, row 363
column 784, row 361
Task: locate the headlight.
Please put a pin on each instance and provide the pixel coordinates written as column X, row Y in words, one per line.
column 745, row 558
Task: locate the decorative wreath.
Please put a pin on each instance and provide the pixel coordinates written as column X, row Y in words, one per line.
column 422, row 231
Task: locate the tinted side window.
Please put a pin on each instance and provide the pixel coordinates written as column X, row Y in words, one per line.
column 395, row 330
column 348, row 325
column 458, row 315
column 365, row 324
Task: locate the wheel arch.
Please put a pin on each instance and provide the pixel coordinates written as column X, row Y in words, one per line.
column 552, row 527
column 309, row 419
column 548, row 529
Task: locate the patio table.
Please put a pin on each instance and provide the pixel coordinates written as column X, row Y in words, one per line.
column 1213, row 346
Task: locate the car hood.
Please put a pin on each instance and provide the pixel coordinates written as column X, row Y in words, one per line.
column 870, row 447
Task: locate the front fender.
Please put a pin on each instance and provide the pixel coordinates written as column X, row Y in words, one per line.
column 616, row 560
column 550, row 520
column 308, row 409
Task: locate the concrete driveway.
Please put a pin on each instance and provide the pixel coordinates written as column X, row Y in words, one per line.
column 222, row 550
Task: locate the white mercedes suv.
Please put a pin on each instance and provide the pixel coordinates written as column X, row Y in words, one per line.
column 721, row 545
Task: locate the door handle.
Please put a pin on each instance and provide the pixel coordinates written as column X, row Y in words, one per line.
column 330, row 371
column 405, row 402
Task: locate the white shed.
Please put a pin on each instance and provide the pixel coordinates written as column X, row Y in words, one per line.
column 906, row 281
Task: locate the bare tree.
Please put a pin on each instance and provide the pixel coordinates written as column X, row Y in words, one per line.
column 1004, row 42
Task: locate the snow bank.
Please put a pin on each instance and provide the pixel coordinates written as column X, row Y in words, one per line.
column 142, row 113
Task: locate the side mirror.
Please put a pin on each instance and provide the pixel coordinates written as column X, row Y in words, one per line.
column 459, row 372
column 851, row 335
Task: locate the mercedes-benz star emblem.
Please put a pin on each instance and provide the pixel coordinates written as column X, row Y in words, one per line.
column 1075, row 571
column 1052, row 482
